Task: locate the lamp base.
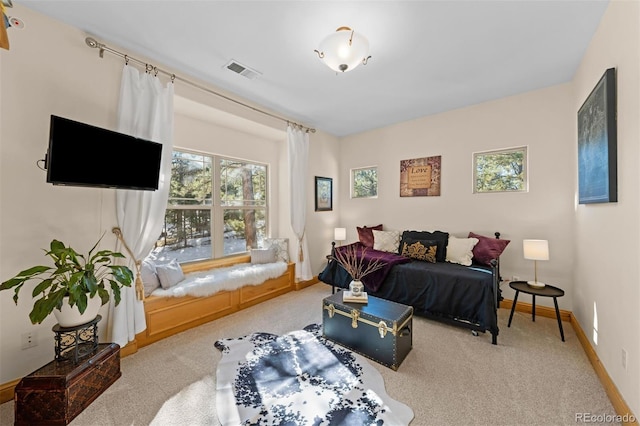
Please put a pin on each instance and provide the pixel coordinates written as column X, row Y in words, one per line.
column 536, row 284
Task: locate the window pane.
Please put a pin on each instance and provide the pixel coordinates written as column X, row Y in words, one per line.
column 190, row 179
column 243, row 229
column 500, row 171
column 242, row 184
column 186, row 236
column 364, row 182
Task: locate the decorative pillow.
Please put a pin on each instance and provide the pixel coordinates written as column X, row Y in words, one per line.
column 460, row 250
column 386, row 240
column 440, row 237
column 281, row 245
column 420, row 249
column 487, row 248
column 365, row 234
column 149, row 277
column 169, row 274
column 264, row 255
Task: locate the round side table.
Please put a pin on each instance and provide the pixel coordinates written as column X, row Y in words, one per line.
column 546, row 291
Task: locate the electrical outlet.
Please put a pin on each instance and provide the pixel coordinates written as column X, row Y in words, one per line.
column 624, row 359
column 29, row 340
column 515, row 278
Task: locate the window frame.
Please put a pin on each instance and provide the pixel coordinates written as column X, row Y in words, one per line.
column 352, row 182
column 216, row 206
column 525, row 169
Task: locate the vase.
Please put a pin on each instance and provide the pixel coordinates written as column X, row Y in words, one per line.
column 70, row 316
column 356, row 288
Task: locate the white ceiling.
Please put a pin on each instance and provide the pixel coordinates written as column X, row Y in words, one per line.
column 427, row 56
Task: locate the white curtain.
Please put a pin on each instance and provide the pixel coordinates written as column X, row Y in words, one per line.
column 298, row 142
column 145, row 110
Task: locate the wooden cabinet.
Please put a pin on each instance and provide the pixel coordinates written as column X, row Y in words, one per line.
column 56, row 393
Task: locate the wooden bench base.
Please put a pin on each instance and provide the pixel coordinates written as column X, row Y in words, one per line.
column 167, row 316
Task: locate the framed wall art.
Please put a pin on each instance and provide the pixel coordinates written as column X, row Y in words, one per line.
column 597, row 143
column 420, row 177
column 324, row 194
column 364, row 182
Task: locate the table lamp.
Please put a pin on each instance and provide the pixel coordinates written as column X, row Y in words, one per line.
column 340, row 234
column 535, row 250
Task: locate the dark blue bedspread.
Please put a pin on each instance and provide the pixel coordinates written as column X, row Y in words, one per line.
column 445, row 290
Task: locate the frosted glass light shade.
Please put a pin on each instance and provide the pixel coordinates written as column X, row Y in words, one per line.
column 340, row 234
column 344, row 50
column 536, row 249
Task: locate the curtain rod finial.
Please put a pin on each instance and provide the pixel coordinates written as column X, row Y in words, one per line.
column 91, row 42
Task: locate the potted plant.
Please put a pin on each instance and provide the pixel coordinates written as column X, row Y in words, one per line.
column 355, row 263
column 75, row 284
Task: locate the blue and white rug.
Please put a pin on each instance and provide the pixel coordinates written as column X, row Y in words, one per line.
column 300, row 378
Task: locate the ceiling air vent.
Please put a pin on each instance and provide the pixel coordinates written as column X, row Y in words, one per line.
column 243, row 70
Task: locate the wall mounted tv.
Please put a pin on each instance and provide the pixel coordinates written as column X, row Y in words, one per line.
column 84, row 155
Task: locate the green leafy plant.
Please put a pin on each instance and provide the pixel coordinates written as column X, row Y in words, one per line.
column 72, row 275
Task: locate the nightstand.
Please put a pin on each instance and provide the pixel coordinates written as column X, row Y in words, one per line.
column 546, row 291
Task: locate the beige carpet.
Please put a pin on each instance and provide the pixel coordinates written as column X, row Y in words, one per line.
column 449, row 378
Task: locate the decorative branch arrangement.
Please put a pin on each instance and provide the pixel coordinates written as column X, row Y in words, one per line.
column 355, row 264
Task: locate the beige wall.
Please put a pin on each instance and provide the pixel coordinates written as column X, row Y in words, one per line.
column 607, row 244
column 64, row 77
column 49, row 70
column 542, row 120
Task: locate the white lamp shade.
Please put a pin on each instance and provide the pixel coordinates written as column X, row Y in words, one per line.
column 344, row 50
column 340, row 234
column 536, row 249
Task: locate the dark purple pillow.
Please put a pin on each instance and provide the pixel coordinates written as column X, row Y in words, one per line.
column 487, row 249
column 365, row 234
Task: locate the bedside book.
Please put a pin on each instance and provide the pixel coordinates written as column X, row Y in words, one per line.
column 347, row 297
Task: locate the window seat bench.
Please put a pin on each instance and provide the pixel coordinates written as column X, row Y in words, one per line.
column 166, row 316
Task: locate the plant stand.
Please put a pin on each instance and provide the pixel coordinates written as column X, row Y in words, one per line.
column 74, row 343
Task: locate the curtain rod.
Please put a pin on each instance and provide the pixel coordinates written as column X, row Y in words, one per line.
column 93, row 43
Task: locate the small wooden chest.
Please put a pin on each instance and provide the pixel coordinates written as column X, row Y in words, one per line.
column 56, row 393
column 380, row 329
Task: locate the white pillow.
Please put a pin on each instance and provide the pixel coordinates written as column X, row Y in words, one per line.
column 460, row 250
column 263, row 255
column 281, row 245
column 386, row 241
column 149, row 277
column 169, row 274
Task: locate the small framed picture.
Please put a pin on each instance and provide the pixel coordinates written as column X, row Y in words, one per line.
column 324, row 194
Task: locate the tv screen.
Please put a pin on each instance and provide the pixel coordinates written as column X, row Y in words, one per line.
column 84, row 155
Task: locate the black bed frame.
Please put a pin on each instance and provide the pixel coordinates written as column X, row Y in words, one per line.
column 475, row 328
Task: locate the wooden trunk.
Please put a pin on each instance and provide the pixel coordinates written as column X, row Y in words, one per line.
column 379, row 329
column 56, row 393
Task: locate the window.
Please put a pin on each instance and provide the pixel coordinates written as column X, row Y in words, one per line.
column 201, row 223
column 500, row 171
column 364, row 182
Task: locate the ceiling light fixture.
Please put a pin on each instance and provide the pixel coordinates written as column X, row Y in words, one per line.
column 344, row 50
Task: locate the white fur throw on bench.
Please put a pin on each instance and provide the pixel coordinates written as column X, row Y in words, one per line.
column 206, row 283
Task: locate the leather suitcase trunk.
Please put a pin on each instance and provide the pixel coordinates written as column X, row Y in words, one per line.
column 56, row 393
column 380, row 329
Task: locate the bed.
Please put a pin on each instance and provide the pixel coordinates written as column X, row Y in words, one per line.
column 457, row 294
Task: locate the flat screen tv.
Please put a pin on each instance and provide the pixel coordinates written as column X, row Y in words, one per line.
column 84, row 155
